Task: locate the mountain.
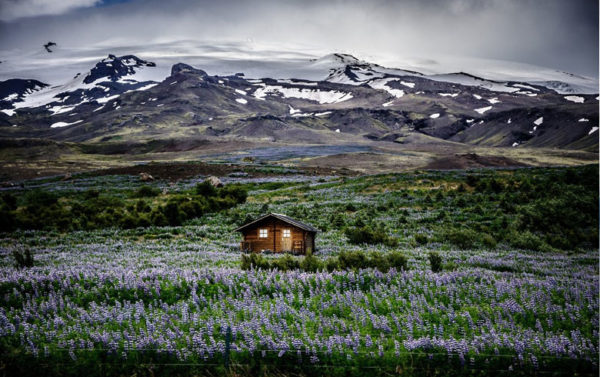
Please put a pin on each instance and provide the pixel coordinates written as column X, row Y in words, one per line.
column 15, row 90
column 108, row 79
column 354, row 103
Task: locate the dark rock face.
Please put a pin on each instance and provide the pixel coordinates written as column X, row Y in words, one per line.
column 181, row 68
column 381, row 106
column 113, row 68
column 14, row 90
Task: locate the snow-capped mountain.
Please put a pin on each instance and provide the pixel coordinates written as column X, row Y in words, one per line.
column 334, row 98
column 283, row 62
column 108, row 79
column 15, row 90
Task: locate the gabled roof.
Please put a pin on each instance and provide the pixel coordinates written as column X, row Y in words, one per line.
column 284, row 218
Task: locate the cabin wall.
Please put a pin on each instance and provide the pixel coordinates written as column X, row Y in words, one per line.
column 275, row 230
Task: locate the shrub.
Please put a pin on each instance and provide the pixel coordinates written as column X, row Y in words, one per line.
column 332, row 264
column 236, row 192
column 146, row 191
column 286, row 263
column 488, row 241
column 310, row 263
column 462, row 237
column 397, row 260
column 379, row 262
column 158, row 218
column 142, row 206
column 350, row 207
column 40, row 198
column 23, row 259
column 435, row 260
column 421, row 239
column 128, row 222
column 352, row 260
column 525, row 240
column 368, row 235
column 172, row 213
column 206, row 189
column 254, row 260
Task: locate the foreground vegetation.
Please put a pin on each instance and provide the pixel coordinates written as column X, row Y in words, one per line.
column 465, row 273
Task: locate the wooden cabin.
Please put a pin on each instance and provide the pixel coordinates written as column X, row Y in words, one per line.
column 278, row 233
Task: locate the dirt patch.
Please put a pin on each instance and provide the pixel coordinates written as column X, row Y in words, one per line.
column 470, row 161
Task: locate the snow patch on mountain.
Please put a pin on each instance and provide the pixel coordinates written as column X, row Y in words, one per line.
column 576, row 99
column 483, row 109
column 64, row 124
column 382, row 85
column 318, row 95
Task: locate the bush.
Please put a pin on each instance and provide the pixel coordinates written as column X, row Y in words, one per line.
column 206, row 189
column 351, row 260
column 310, row 263
column 286, row 263
column 332, row 264
column 236, row 192
column 23, row 259
column 368, row 235
column 39, row 198
column 255, row 261
column 525, row 240
column 172, row 213
column 435, row 260
column 462, row 237
column 158, row 218
column 397, row 260
column 379, row 262
column 421, row 239
column 146, row 192
column 488, row 241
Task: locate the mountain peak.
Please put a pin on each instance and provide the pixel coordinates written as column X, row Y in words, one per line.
column 337, row 58
column 113, row 68
column 185, row 68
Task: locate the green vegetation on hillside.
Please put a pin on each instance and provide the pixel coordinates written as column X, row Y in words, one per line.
column 142, row 207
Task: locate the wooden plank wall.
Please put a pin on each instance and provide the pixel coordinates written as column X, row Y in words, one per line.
column 275, row 229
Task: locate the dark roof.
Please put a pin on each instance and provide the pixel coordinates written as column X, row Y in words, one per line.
column 283, row 218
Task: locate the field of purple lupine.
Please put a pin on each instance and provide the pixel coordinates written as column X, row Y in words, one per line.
column 156, row 299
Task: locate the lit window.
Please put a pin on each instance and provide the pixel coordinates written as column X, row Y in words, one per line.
column 286, row 233
column 263, row 233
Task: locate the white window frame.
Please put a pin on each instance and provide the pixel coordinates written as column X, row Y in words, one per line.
column 263, row 233
column 287, row 233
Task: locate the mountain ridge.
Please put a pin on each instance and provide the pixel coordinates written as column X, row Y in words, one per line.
column 357, row 103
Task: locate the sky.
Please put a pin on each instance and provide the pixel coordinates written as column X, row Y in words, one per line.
column 561, row 34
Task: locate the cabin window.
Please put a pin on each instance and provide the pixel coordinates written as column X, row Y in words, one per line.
column 286, row 233
column 263, row 233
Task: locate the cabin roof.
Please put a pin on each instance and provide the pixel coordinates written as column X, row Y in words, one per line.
column 284, row 218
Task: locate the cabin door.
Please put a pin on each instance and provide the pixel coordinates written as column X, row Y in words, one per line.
column 286, row 239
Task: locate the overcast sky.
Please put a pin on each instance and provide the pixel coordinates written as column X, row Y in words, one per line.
column 561, row 34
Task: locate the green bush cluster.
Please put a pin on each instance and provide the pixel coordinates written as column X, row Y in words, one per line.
column 367, row 234
column 23, row 259
column 435, row 261
column 347, row 260
column 40, row 209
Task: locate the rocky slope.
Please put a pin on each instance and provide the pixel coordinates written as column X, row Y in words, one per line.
column 354, row 100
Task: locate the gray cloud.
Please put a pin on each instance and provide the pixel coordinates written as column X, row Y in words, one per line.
column 555, row 33
column 14, row 9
